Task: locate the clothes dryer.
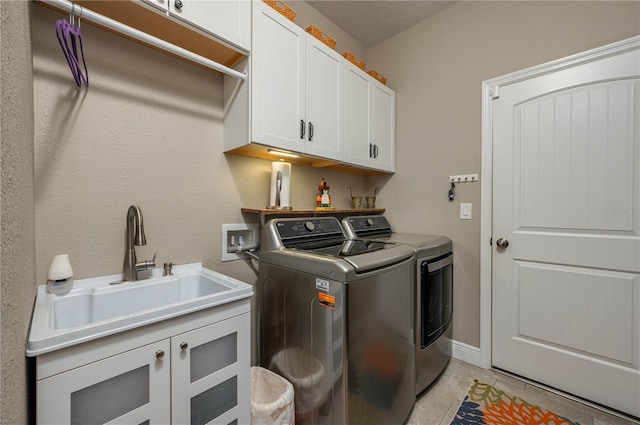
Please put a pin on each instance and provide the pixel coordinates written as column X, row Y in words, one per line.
column 432, row 292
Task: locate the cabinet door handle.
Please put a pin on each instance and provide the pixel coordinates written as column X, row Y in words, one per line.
column 159, row 354
column 184, row 346
column 302, row 128
column 310, row 131
column 375, row 151
column 370, row 150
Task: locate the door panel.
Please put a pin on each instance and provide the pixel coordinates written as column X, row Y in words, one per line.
column 566, row 195
column 278, row 80
column 575, row 152
column 324, row 106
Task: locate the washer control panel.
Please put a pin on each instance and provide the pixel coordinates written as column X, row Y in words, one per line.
column 313, row 227
column 366, row 224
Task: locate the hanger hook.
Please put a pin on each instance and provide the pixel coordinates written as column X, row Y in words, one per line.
column 72, row 16
column 80, row 17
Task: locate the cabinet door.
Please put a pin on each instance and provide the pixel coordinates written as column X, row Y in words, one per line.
column 383, row 126
column 323, row 101
column 130, row 388
column 226, row 19
column 210, row 378
column 277, row 82
column 356, row 95
column 159, row 4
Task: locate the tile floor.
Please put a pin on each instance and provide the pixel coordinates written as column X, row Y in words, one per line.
column 438, row 404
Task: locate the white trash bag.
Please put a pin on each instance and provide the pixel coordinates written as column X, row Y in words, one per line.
column 271, row 398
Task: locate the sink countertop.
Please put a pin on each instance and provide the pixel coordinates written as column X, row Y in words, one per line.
column 47, row 335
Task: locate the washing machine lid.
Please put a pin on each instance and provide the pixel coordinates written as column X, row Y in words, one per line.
column 322, row 239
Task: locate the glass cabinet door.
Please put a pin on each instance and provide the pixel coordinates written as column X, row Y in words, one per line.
column 127, row 388
column 211, row 373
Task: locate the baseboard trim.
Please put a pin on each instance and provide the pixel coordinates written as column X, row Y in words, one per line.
column 465, row 352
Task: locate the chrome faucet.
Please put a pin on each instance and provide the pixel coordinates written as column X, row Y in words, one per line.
column 135, row 236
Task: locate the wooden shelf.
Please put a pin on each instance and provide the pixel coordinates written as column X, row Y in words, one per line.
column 360, row 211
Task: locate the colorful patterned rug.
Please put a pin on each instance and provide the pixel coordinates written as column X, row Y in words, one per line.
column 486, row 405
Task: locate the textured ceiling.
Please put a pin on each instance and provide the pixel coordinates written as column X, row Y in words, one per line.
column 371, row 21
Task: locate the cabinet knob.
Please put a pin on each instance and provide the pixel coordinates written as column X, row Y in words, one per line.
column 184, row 346
column 159, row 354
column 178, row 4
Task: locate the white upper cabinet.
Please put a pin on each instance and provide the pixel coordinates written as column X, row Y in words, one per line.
column 296, row 86
column 383, row 127
column 323, row 99
column 277, row 81
column 227, row 20
column 304, row 97
column 369, row 121
column 357, row 102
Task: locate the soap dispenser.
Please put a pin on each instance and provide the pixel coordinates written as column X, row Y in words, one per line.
column 60, row 275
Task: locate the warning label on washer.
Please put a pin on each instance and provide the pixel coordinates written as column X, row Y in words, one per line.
column 327, row 300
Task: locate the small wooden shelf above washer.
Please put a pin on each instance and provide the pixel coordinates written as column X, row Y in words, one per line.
column 267, row 211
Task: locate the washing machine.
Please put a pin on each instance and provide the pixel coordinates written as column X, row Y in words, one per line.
column 335, row 319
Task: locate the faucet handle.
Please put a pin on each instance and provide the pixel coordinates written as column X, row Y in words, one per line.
column 147, row 264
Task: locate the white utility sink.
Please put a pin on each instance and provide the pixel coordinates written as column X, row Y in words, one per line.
column 94, row 308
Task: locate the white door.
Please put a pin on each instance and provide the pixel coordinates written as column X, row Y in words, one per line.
column 566, row 197
column 324, row 106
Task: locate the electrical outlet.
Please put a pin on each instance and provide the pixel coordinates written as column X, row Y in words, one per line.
column 242, row 236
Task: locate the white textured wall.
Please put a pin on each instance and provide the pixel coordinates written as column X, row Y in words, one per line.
column 17, row 247
column 437, row 68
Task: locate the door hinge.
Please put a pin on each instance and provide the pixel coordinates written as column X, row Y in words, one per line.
column 494, row 92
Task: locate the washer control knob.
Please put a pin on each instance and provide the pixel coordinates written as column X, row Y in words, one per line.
column 369, row 222
column 309, row 226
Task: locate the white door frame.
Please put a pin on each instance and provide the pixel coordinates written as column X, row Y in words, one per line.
column 491, row 90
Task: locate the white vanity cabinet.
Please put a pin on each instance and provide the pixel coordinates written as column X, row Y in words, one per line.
column 210, row 374
column 294, row 98
column 198, row 373
column 131, row 387
column 369, row 121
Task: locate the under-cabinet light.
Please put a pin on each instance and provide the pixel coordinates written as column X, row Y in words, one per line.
column 288, row 154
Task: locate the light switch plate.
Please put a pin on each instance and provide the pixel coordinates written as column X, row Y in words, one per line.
column 465, row 211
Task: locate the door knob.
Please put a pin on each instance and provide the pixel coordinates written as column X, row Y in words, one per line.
column 502, row 243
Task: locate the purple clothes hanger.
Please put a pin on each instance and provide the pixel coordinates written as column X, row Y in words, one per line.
column 69, row 36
